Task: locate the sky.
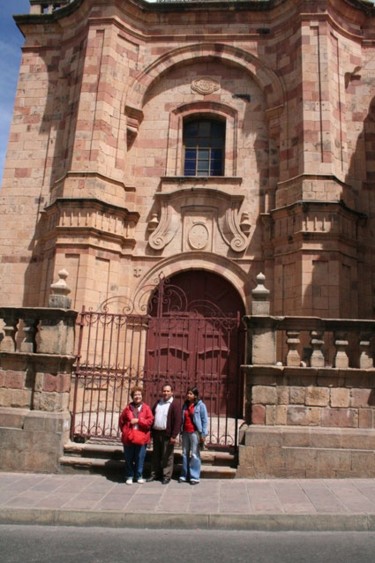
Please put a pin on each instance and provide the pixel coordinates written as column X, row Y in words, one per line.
column 11, row 40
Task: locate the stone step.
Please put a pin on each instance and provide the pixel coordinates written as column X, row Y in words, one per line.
column 108, row 457
column 115, row 452
column 72, row 464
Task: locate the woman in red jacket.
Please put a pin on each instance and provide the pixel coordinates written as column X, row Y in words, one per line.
column 135, row 422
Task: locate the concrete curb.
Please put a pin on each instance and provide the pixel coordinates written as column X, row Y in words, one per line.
column 259, row 522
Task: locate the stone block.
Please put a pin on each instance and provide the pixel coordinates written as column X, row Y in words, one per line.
column 51, row 402
column 361, row 397
column 300, row 459
column 12, row 418
column 317, row 396
column 21, row 398
column 355, row 438
column 270, row 415
column 298, row 437
column 263, row 347
column 281, row 415
column 330, row 461
column 363, row 463
column 14, row 379
column 282, row 395
column 341, row 418
column 340, row 398
column 258, row 414
column 303, row 416
column 326, row 438
column 366, row 418
column 246, row 467
column 264, row 395
column 297, row 395
column 257, row 436
column 5, row 397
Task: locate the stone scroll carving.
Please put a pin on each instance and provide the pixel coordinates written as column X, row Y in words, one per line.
column 200, row 216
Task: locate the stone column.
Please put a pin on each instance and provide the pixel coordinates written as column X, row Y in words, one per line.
column 56, row 331
column 262, row 339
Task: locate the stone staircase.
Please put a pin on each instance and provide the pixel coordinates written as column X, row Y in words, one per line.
column 105, row 457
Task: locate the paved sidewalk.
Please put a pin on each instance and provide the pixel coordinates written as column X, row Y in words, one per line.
column 241, row 504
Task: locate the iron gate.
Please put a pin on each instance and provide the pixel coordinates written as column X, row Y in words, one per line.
column 177, row 342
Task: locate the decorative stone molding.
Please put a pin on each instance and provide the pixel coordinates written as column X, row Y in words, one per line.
column 134, row 117
column 198, row 213
column 205, row 85
column 91, row 219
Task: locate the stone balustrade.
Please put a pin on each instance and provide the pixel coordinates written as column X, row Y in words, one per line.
column 37, row 330
column 36, row 363
column 309, row 395
column 47, row 6
column 311, row 342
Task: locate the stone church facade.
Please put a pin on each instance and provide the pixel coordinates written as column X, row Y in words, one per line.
column 97, row 178
column 205, row 143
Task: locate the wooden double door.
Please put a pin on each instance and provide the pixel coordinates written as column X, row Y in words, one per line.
column 195, row 337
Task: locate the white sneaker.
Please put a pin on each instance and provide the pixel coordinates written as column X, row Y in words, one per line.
column 140, row 481
column 129, row 481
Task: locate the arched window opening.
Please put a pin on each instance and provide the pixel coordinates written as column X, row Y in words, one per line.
column 204, row 146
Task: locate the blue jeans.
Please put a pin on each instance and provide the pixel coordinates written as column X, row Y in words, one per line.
column 134, row 460
column 191, row 457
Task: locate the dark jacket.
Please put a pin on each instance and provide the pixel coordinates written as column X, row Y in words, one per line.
column 173, row 419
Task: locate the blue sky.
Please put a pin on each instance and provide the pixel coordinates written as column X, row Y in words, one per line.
column 11, row 40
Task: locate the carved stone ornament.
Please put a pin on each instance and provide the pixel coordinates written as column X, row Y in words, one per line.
column 196, row 209
column 205, row 85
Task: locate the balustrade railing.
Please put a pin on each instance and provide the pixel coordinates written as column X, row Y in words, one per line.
column 312, row 342
column 48, row 6
column 37, row 330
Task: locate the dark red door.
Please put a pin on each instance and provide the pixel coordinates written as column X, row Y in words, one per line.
column 195, row 338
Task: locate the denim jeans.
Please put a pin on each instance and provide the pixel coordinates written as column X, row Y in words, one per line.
column 134, row 460
column 191, row 457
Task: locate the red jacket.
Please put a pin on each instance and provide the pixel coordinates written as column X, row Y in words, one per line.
column 145, row 420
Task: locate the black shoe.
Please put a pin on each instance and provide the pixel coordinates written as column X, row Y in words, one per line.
column 193, row 482
column 150, row 479
column 165, row 481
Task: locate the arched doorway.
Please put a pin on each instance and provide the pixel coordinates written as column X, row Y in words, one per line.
column 195, row 337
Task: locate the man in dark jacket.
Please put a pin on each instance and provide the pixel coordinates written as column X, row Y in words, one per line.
column 167, row 425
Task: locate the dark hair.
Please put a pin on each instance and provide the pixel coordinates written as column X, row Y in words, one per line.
column 167, row 385
column 195, row 392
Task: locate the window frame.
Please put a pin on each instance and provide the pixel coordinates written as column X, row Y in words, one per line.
column 201, row 110
column 206, row 148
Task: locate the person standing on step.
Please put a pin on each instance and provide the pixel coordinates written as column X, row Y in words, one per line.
column 135, row 423
column 167, row 424
column 194, row 432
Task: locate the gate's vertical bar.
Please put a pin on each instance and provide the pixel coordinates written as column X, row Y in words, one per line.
column 114, row 429
column 111, row 373
column 239, row 380
column 80, row 323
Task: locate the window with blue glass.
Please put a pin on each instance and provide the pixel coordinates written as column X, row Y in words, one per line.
column 204, row 142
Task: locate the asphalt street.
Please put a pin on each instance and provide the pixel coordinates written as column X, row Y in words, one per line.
column 43, row 544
